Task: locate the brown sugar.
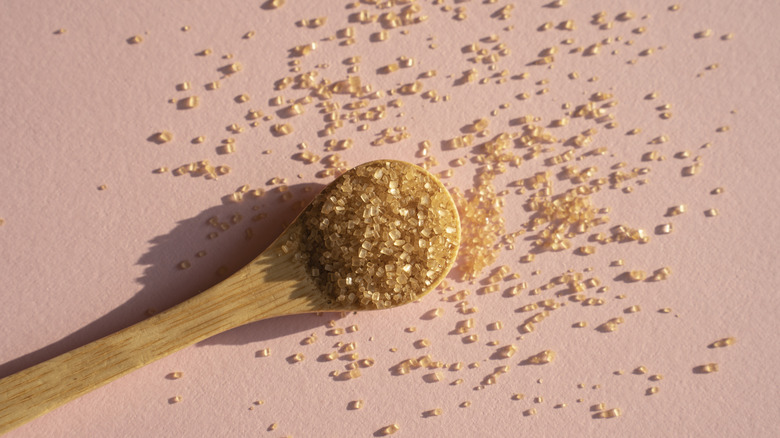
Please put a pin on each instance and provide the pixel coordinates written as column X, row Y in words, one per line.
column 380, row 235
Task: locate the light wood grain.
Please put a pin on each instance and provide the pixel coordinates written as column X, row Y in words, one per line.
column 271, row 285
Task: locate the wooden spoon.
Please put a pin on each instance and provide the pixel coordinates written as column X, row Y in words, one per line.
column 283, row 280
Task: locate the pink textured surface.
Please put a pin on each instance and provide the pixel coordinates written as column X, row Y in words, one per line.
column 79, row 263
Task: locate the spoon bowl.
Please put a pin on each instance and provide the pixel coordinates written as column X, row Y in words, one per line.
column 381, row 235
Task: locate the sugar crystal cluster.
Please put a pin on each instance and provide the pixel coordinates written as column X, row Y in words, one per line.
column 380, row 235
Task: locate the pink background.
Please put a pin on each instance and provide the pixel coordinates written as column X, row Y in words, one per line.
column 79, row 263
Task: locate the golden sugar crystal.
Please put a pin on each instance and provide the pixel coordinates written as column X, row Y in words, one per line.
column 706, row 369
column 543, row 357
column 725, row 342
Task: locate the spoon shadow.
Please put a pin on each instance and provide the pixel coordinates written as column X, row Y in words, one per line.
column 165, row 283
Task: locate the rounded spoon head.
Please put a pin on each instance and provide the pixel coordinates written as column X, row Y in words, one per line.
column 382, row 234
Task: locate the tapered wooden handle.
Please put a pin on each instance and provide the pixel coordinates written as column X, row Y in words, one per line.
column 267, row 287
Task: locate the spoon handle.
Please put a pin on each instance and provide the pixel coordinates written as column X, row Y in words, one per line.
column 265, row 288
